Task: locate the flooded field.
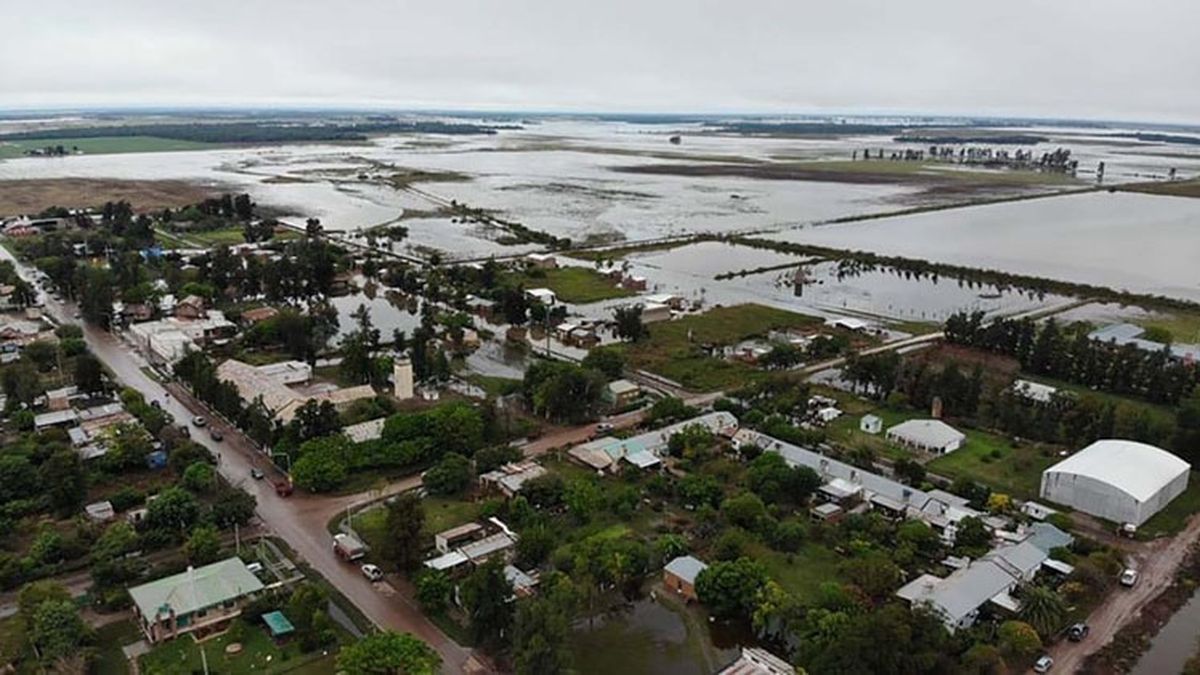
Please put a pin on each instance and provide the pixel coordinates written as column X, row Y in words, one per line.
column 825, row 289
column 1175, row 643
column 1142, row 243
column 651, row 638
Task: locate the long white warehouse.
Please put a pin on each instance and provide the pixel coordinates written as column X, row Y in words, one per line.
column 1122, row 481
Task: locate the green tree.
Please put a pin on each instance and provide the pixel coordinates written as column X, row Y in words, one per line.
column 744, row 510
column 542, row 629
column 63, row 480
column 322, row 464
column 200, row 477
column 972, row 536
column 874, row 573
column 389, row 653
column 1019, row 639
column 203, row 546
column 89, row 374
column 608, row 360
column 57, row 630
column 629, row 323
column 451, row 476
column 404, row 526
column 174, row 510
column 486, row 596
column 728, row 589
column 433, row 590
column 1043, row 608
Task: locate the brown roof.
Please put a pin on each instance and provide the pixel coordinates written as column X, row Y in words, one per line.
column 259, row 314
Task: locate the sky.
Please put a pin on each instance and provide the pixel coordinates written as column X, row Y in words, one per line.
column 1098, row 59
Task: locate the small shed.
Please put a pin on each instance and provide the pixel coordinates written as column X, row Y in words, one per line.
column 870, row 424
column 680, row 575
column 100, row 511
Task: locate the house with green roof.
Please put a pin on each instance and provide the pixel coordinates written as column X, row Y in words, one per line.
column 198, row 599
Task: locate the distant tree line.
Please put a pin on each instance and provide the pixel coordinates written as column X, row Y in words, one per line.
column 262, row 132
column 1072, row 356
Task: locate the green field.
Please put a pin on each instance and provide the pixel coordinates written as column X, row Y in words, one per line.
column 576, row 285
column 993, row 461
column 440, row 514
column 227, row 236
column 800, row 573
column 259, row 654
column 668, row 352
column 103, row 145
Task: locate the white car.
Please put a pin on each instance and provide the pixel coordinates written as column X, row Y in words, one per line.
column 1129, row 577
column 372, row 572
column 1043, row 664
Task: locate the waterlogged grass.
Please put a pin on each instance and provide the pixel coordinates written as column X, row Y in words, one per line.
column 576, row 285
column 103, row 145
column 669, row 352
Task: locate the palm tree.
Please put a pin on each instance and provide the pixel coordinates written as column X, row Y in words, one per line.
column 1043, row 608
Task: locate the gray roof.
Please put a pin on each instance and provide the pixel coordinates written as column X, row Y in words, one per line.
column 829, row 468
column 965, row 590
column 1128, row 334
column 686, row 567
column 927, row 433
column 197, row 589
column 1025, row 557
column 1048, row 537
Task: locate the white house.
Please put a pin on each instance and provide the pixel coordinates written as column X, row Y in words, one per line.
column 871, row 424
column 933, row 436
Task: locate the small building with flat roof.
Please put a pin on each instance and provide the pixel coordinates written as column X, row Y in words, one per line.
column 680, row 575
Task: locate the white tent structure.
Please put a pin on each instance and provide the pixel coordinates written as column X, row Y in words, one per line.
column 1122, row 481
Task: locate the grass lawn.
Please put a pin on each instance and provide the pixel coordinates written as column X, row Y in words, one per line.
column 1172, row 519
column 440, row 514
column 800, row 573
column 993, row 461
column 494, row 386
column 668, row 352
column 1181, row 188
column 1184, row 327
column 259, row 655
column 229, row 236
column 845, row 429
column 103, row 145
column 110, row 660
column 576, row 285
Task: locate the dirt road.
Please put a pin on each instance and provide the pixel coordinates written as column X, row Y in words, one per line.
column 1156, row 563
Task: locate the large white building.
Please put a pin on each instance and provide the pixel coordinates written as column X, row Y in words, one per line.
column 933, row 436
column 1122, row 481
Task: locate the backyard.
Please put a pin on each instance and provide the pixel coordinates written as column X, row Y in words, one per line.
column 1015, row 470
column 258, row 654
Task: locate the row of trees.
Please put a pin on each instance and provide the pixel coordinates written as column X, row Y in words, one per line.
column 1071, row 355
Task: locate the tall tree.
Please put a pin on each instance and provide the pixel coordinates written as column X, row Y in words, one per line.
column 404, row 525
column 486, row 596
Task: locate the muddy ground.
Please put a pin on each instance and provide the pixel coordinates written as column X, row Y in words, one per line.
column 35, row 195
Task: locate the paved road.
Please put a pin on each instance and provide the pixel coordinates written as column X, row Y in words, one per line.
column 299, row 520
column 1156, row 563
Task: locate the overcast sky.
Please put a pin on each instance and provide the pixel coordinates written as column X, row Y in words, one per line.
column 1068, row 58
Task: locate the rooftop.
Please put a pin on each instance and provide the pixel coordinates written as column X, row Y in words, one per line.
column 686, row 567
column 196, row 589
column 929, row 433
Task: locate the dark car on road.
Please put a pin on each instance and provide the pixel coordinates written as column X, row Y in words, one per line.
column 1078, row 632
column 216, row 435
column 256, row 473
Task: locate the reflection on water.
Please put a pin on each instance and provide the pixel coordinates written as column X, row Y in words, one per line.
column 1174, row 644
column 1139, row 242
column 647, row 637
column 827, row 289
column 389, row 312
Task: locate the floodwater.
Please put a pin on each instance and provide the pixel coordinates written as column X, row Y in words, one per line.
column 827, row 291
column 1142, row 243
column 646, row 637
column 1174, row 644
column 389, row 312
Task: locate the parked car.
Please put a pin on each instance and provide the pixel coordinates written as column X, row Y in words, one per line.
column 216, row 435
column 256, row 473
column 604, row 428
column 284, row 489
column 1043, row 664
column 1129, row 577
column 199, row 421
column 372, row 572
column 1078, row 632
